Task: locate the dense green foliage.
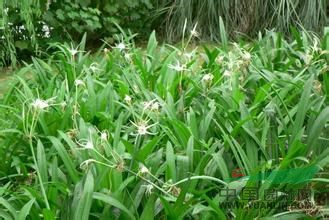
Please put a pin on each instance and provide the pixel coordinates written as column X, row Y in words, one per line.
column 31, row 25
column 98, row 18
column 247, row 17
column 130, row 133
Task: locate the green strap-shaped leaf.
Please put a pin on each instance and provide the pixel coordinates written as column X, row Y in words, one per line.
column 25, row 210
column 2, row 23
column 316, row 128
column 83, row 208
column 68, row 162
column 113, row 202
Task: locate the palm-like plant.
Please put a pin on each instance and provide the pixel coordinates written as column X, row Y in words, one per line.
column 242, row 17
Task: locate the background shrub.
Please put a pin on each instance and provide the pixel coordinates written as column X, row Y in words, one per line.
column 31, row 25
column 98, row 18
column 244, row 16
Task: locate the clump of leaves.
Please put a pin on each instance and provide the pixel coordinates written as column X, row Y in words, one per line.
column 73, row 18
column 167, row 132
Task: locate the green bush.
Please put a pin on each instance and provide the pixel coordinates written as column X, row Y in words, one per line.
column 99, row 19
column 21, row 30
column 31, row 25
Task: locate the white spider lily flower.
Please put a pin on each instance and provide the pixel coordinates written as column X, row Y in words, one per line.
column 227, row 73
column 94, row 67
column 230, row 65
column 22, row 27
column 147, row 105
column 121, row 46
column 190, row 55
column 207, row 78
column 149, row 189
column 151, row 105
column 86, row 163
column 127, row 99
column 79, row 82
column 246, row 57
column 155, row 106
column 307, row 58
column 315, row 47
column 219, row 59
column 40, row 104
column 142, row 128
column 89, row 145
column 6, row 11
column 240, row 63
column 104, row 136
column 193, row 32
column 46, row 30
column 86, row 144
column 178, row 67
column 73, row 51
column 143, row 170
column 127, row 56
